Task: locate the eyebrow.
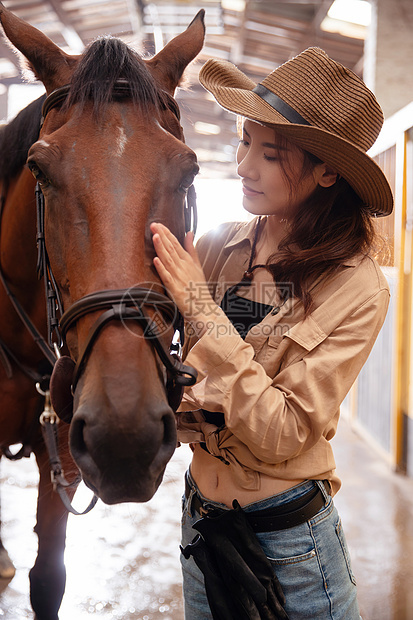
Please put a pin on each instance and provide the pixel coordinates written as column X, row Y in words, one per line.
column 270, row 145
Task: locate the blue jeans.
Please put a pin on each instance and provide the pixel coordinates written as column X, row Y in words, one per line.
column 310, row 560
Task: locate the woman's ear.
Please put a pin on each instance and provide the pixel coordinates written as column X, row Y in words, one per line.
column 327, row 176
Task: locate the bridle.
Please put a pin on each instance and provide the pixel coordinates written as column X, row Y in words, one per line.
column 119, row 304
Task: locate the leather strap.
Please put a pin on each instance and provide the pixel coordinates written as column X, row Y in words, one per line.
column 283, row 517
column 280, row 105
column 60, row 484
column 22, row 314
column 101, row 300
column 124, row 305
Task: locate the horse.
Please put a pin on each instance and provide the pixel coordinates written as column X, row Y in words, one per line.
column 85, row 169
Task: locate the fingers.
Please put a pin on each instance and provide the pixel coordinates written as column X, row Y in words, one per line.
column 164, row 253
column 166, row 241
column 163, row 273
column 189, row 246
column 181, row 272
column 189, row 242
column 173, row 256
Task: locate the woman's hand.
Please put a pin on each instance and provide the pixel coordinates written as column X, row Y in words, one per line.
column 182, row 275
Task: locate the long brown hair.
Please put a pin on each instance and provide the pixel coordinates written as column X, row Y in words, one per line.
column 331, row 226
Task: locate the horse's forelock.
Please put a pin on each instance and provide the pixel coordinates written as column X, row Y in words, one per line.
column 106, row 61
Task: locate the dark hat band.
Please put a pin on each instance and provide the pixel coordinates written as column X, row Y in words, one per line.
column 279, row 105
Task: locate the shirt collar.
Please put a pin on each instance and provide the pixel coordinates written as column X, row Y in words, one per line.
column 246, row 231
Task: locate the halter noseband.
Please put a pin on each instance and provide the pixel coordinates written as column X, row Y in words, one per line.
column 122, row 304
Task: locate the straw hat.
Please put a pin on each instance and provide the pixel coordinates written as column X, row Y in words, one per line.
column 319, row 105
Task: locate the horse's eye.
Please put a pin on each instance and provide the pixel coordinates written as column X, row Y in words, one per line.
column 189, row 179
column 40, row 177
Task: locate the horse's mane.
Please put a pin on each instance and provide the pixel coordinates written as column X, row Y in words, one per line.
column 17, row 137
column 106, row 61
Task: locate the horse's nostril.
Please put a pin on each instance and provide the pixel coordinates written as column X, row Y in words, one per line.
column 83, row 458
column 77, row 439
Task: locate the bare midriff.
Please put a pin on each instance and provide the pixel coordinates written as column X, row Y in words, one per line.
column 216, row 481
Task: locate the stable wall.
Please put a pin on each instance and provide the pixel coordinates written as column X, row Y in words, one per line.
column 388, row 54
column 380, row 403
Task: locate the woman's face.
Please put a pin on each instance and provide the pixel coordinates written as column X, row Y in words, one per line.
column 262, row 166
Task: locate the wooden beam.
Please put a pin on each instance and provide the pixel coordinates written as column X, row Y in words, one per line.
column 314, row 32
column 69, row 33
column 237, row 47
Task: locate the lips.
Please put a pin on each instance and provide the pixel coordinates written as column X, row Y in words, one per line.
column 248, row 191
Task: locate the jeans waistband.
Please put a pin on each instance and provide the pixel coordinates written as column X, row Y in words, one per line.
column 282, row 511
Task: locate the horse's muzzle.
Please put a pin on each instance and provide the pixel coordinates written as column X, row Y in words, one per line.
column 121, row 463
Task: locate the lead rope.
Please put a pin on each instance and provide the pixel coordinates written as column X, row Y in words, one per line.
column 49, row 422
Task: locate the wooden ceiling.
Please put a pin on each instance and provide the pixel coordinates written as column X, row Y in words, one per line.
column 257, row 35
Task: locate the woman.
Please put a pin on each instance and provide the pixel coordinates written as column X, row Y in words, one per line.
column 293, row 305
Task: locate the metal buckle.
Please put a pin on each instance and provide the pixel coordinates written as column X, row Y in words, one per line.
column 204, row 511
column 209, row 510
column 48, row 416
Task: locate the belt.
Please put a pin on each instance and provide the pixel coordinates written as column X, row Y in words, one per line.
column 282, row 517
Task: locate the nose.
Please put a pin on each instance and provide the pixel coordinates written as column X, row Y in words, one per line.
column 247, row 164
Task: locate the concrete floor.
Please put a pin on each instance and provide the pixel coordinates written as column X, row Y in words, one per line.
column 376, row 507
column 123, row 561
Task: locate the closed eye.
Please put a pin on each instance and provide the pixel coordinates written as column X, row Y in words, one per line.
column 188, row 179
column 38, row 174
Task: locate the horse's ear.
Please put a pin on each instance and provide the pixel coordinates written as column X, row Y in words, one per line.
column 169, row 64
column 47, row 61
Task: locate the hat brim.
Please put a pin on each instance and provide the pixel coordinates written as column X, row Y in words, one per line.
column 233, row 90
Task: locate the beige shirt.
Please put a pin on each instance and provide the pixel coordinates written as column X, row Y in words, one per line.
column 280, row 390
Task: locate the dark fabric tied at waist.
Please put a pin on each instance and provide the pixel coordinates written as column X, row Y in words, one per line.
column 216, row 418
column 282, row 517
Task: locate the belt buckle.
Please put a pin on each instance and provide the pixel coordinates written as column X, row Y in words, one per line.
column 208, row 510
column 203, row 511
